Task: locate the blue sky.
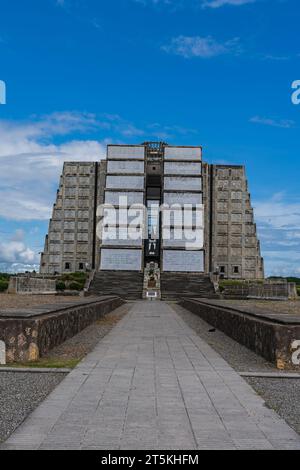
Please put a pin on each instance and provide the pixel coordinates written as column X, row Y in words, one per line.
column 84, row 73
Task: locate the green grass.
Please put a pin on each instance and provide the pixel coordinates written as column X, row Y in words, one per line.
column 47, row 363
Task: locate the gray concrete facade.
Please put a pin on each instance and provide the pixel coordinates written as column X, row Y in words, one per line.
column 230, row 244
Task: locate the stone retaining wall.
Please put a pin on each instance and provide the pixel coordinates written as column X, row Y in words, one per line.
column 31, row 285
column 27, row 339
column 260, row 290
column 277, row 342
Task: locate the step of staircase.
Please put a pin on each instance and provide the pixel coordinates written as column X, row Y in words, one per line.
column 177, row 285
column 126, row 284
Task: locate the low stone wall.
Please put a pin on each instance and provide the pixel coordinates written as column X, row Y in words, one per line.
column 277, row 340
column 29, row 335
column 260, row 290
column 31, row 285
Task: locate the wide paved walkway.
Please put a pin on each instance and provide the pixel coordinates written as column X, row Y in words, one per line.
column 152, row 383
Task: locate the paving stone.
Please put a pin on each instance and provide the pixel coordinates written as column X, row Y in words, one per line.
column 152, row 383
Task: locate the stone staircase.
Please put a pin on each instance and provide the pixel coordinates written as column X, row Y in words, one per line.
column 178, row 285
column 126, row 284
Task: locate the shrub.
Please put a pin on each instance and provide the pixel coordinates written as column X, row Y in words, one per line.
column 3, row 285
column 75, row 286
column 298, row 291
column 60, row 286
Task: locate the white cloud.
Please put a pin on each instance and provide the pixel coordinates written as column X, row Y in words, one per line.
column 283, row 123
column 14, row 268
column 30, row 164
column 195, row 3
column 16, row 251
column 278, row 223
column 221, row 3
column 203, row 47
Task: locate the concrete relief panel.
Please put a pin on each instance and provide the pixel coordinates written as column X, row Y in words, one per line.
column 250, row 241
column 236, row 195
column 236, row 206
column 114, row 197
column 236, row 184
column 123, row 167
column 83, row 225
column 54, row 258
column 183, row 261
column 236, row 240
column 222, row 240
column 69, row 225
column 183, row 153
column 55, row 225
column 82, row 237
column 54, row 247
column 84, row 180
column 82, row 248
column 120, row 152
column 250, row 251
column 121, row 260
column 222, row 228
column 182, row 218
column 85, row 192
column 222, row 206
column 70, row 180
column 69, row 214
column 83, row 203
column 182, row 198
column 122, row 236
column 124, row 216
column 69, row 248
column 222, row 195
column 70, row 192
column 187, row 238
column 125, row 182
column 236, row 217
column 223, row 184
column 250, row 263
column 182, row 183
column 54, row 236
column 69, row 236
column 223, row 172
column 183, row 168
column 70, row 203
column 70, row 169
column 57, row 214
column 222, row 217
column 237, row 173
column 222, row 252
column 85, row 169
column 236, row 251
column 250, row 230
column 83, row 214
column 236, row 229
